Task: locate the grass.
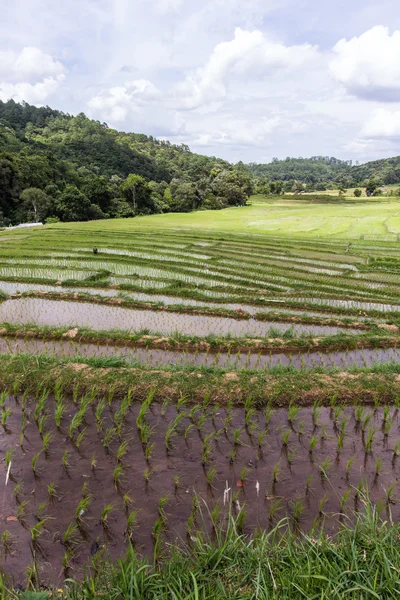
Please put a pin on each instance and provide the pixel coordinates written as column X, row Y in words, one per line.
column 284, row 217
column 280, row 386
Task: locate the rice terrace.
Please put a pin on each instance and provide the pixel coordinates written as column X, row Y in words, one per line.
column 199, row 389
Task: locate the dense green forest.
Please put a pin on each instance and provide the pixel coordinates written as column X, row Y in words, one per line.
column 319, row 173
column 57, row 166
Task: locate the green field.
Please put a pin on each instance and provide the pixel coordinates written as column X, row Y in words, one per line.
column 216, row 393
column 285, row 217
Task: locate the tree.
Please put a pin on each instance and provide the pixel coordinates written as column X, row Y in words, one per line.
column 232, row 187
column 35, row 204
column 184, row 196
column 357, row 192
column 136, row 189
column 75, row 206
column 371, row 187
column 98, row 191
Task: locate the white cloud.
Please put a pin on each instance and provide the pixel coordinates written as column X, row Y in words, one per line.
column 33, row 93
column 241, row 131
column 369, row 65
column 30, row 63
column 29, row 75
column 116, row 103
column 249, row 55
column 383, row 123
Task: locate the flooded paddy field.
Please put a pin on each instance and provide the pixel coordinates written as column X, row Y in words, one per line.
column 229, row 361
column 87, row 474
column 100, row 317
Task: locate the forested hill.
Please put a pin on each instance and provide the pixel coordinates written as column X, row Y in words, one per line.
column 316, row 169
column 56, row 166
column 323, row 171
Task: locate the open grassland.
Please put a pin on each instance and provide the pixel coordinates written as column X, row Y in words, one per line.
column 350, row 218
column 216, row 393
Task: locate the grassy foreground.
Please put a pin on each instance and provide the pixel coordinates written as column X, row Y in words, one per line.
column 361, row 561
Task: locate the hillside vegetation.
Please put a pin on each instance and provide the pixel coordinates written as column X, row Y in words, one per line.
column 76, row 169
column 54, row 166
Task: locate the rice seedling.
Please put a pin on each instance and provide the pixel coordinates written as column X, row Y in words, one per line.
column 122, row 450
column 315, row 414
column 232, row 454
column 275, row 506
column 389, row 493
column 148, row 451
column 285, row 438
column 59, row 412
column 268, row 414
column 8, row 456
column 309, row 480
column 65, row 460
column 312, row 444
column 18, row 490
column 71, row 535
column 162, row 502
column 109, row 436
column 236, row 437
column 37, row 530
column 297, row 509
column 6, row 413
column 105, row 515
column 118, row 475
column 241, row 520
column 321, row 504
column 206, row 453
column 52, row 491
column 378, row 466
column 67, row 559
column 47, row 438
column 276, row 472
column 99, row 414
column 177, row 482
column 324, row 467
column 34, row 461
column 22, row 510
column 243, row 474
column 215, row 515
column 369, row 440
column 131, row 524
column 344, row 499
column 7, row 540
column 81, row 510
column 293, row 411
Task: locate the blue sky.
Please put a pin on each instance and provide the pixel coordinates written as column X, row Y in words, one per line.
column 244, row 80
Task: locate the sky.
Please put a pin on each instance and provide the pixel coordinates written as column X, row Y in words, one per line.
column 239, row 79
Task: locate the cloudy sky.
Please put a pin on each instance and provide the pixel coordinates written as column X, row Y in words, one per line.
column 240, row 79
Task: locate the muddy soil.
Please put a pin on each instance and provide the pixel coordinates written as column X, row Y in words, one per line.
column 244, row 459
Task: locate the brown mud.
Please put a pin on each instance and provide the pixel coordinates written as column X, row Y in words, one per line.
column 169, row 490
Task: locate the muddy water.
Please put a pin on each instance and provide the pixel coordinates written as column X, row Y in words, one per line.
column 259, row 449
column 352, row 304
column 63, row 313
column 234, row 360
column 12, row 288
